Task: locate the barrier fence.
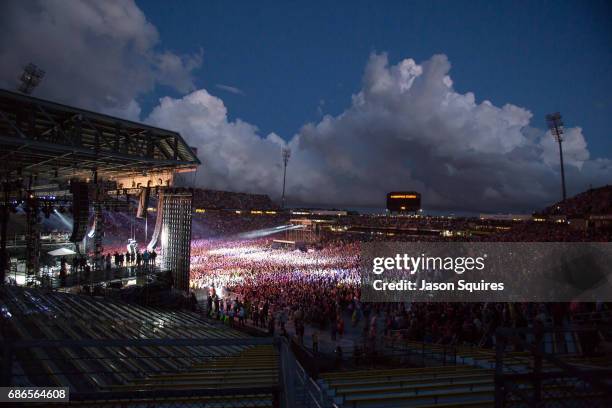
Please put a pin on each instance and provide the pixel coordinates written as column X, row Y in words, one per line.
column 544, row 379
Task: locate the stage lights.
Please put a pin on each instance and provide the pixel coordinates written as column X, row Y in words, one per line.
column 30, row 78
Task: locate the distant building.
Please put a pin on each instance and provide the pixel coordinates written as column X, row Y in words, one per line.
column 506, row 217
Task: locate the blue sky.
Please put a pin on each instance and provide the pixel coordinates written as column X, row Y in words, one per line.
column 287, row 57
column 445, row 98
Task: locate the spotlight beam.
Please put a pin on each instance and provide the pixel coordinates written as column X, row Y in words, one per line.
column 267, row 231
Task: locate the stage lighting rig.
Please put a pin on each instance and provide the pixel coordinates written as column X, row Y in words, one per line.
column 30, row 78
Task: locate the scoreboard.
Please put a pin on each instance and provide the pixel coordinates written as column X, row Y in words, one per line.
column 404, row 201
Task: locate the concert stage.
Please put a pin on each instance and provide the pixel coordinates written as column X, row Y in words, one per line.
column 56, row 157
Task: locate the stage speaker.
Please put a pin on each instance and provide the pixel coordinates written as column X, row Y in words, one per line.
column 176, row 236
column 80, row 210
column 143, row 202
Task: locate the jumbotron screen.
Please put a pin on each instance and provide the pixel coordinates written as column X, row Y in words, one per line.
column 404, row 201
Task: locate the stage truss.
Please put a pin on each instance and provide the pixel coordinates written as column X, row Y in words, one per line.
column 45, row 146
column 176, row 235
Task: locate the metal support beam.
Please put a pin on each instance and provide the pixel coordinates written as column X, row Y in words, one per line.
column 4, row 218
column 99, row 224
column 163, row 342
column 52, row 147
column 32, row 237
column 12, row 124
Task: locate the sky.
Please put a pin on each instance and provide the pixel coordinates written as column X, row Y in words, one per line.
column 447, row 98
column 288, row 56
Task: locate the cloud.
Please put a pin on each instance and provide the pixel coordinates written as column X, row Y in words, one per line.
column 234, row 156
column 407, row 128
column 320, row 107
column 230, row 89
column 97, row 55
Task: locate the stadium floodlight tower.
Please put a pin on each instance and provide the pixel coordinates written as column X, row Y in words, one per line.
column 555, row 124
column 30, row 78
column 286, row 155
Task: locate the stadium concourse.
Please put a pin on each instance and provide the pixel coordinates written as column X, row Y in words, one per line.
column 286, row 327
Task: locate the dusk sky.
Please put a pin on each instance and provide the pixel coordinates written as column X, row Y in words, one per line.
column 287, row 57
column 447, row 98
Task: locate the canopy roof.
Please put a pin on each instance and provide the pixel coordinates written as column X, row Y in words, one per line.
column 54, row 141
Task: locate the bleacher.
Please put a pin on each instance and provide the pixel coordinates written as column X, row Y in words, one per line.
column 255, row 365
column 30, row 315
column 592, row 201
column 427, row 386
column 441, row 386
column 462, row 378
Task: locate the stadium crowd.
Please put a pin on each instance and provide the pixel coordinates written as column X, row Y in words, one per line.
column 249, row 281
column 231, row 200
column 593, row 201
column 270, row 281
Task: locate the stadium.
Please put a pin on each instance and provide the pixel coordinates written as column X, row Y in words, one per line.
column 418, row 247
column 259, row 305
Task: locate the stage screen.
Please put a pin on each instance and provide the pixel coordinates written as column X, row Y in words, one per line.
column 404, row 201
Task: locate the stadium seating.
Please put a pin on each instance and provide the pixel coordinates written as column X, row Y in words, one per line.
column 441, row 386
column 232, row 200
column 411, row 387
column 468, row 383
column 592, row 201
column 30, row 314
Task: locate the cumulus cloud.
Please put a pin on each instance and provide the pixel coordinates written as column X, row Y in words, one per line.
column 407, row 128
column 97, row 55
column 234, row 156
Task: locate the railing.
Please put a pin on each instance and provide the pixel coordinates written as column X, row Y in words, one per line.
column 546, row 380
column 120, row 274
column 396, row 345
column 301, row 391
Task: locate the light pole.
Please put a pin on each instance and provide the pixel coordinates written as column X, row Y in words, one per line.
column 30, row 78
column 286, row 155
column 555, row 124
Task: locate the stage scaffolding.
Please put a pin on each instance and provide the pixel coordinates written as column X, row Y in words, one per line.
column 176, row 235
column 46, row 146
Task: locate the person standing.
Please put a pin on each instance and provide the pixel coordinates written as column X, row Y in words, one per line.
column 271, row 325
column 334, row 328
column 340, row 326
column 63, row 272
column 209, row 302
column 145, row 258
column 241, row 315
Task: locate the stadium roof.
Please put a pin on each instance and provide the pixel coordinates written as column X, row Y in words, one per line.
column 51, row 140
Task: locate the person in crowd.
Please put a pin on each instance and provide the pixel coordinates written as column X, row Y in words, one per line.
column 146, row 256
column 107, row 261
